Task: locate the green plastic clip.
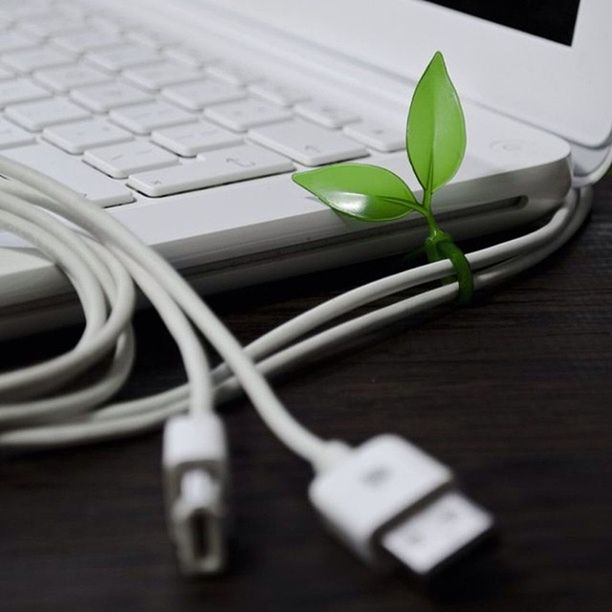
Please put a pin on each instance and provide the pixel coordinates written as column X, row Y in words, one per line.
column 435, row 145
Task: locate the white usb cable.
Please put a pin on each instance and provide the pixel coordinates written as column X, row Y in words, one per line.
column 542, row 241
column 103, row 261
column 196, row 480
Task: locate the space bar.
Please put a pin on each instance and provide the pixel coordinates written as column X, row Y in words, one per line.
column 72, row 173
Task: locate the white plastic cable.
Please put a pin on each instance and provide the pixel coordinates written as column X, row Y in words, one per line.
column 276, row 351
column 162, row 285
column 335, row 307
column 352, row 299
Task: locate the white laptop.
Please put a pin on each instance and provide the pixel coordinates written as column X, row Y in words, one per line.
column 187, row 118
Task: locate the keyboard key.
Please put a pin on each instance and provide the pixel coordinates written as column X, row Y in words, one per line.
column 162, row 74
column 192, row 57
column 13, row 136
column 216, row 168
column 153, row 39
column 73, row 10
column 77, row 137
column 68, row 77
column 189, row 140
column 37, row 115
column 233, row 74
column 144, row 118
column 51, row 25
column 103, row 22
column 328, row 115
column 195, row 96
column 308, row 144
column 12, row 41
column 102, row 98
column 245, row 114
column 18, row 9
column 37, row 58
column 285, row 95
column 123, row 56
column 20, row 90
column 81, row 42
column 377, row 136
column 122, row 160
column 73, row 173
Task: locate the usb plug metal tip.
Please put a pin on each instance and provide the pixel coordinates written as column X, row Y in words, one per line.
column 439, row 532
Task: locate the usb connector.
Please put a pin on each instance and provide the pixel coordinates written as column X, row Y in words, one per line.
column 196, row 478
column 439, row 532
column 388, row 499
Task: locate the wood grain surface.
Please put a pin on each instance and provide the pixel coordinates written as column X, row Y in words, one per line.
column 514, row 392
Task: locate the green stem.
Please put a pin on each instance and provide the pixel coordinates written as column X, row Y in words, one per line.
column 463, row 271
column 427, row 195
column 439, row 245
column 434, row 229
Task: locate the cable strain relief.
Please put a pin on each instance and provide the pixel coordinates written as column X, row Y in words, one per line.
column 334, row 452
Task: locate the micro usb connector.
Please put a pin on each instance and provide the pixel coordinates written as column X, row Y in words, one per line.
column 388, row 499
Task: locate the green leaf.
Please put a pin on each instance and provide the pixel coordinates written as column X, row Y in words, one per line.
column 362, row 191
column 435, row 134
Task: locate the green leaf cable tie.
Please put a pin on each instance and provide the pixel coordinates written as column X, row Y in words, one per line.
column 435, row 146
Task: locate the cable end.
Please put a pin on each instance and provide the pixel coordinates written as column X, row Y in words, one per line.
column 437, row 534
column 388, row 499
column 196, row 482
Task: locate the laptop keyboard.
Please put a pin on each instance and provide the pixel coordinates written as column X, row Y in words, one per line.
column 108, row 109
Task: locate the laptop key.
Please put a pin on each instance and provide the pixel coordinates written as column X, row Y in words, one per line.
column 191, row 139
column 81, row 42
column 73, row 173
column 233, row 74
column 326, row 114
column 285, row 95
column 69, row 77
column 306, row 143
column 143, row 118
column 12, row 41
column 37, row 115
column 5, row 74
column 214, row 168
column 102, row 98
column 195, row 96
column 102, row 22
column 377, row 136
column 192, row 57
column 13, row 136
column 245, row 114
column 121, row 57
column 51, row 25
column 20, row 90
column 77, row 137
column 160, row 75
column 151, row 38
column 121, row 160
column 10, row 11
column 37, row 58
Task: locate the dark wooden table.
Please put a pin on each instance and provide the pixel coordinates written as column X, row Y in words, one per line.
column 513, row 392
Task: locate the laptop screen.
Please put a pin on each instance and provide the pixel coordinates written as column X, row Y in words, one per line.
column 551, row 19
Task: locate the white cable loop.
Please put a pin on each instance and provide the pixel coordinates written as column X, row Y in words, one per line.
column 116, row 286
column 147, row 267
column 55, row 371
column 277, row 350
